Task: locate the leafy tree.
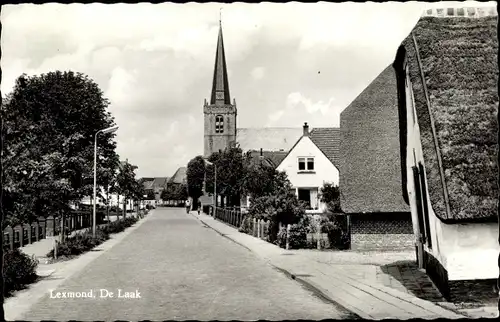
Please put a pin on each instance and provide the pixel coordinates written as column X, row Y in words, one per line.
column 195, row 176
column 181, row 192
column 258, row 179
column 150, row 195
column 230, row 170
column 49, row 124
column 330, row 195
column 168, row 193
column 280, row 204
column 128, row 186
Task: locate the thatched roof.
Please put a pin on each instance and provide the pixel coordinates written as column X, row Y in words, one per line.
column 459, row 62
column 268, row 139
column 370, row 163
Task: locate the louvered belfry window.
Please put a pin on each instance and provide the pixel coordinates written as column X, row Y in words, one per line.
column 219, row 124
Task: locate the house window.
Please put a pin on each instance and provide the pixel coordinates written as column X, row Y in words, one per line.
column 219, row 124
column 305, row 196
column 306, row 164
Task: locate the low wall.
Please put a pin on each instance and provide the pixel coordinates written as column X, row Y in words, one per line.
column 381, row 231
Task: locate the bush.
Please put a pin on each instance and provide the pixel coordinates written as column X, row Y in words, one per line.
column 297, row 237
column 119, row 225
column 335, row 226
column 81, row 243
column 19, row 270
column 281, row 238
column 246, row 225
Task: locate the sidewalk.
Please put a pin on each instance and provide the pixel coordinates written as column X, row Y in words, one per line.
column 55, row 274
column 348, row 285
column 40, row 248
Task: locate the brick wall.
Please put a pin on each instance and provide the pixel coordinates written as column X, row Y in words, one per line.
column 382, row 232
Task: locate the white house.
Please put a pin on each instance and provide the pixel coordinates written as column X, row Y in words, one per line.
column 449, row 125
column 308, row 167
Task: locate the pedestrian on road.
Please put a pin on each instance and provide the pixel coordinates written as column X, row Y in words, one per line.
column 199, row 207
column 188, row 206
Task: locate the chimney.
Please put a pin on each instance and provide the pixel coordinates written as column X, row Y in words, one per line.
column 306, row 129
column 261, row 155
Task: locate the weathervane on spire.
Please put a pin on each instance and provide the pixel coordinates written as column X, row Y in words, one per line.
column 220, row 16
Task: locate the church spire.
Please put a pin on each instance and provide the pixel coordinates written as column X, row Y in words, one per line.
column 220, row 86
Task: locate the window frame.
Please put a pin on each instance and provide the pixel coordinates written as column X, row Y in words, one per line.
column 219, row 124
column 306, row 162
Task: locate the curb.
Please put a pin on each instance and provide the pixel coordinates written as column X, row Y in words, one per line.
column 17, row 306
column 353, row 313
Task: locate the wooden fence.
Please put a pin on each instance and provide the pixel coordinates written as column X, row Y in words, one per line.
column 232, row 217
column 25, row 234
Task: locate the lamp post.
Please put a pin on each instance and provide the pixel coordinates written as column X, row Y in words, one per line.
column 215, row 183
column 106, row 130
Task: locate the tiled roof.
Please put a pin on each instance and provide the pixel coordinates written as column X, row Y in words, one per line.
column 271, row 158
column 459, row 60
column 369, row 162
column 148, row 184
column 160, row 182
column 268, row 139
column 327, row 139
column 179, row 176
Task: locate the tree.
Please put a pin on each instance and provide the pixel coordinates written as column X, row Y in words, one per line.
column 258, row 179
column 181, row 192
column 49, row 124
column 195, row 174
column 230, row 170
column 280, row 204
column 330, row 195
column 127, row 185
column 150, row 195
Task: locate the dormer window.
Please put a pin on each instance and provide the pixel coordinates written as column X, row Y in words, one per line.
column 219, row 124
column 306, row 164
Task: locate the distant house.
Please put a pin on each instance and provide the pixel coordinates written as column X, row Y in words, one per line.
column 310, row 163
column 155, row 187
column 158, row 185
column 447, row 71
column 176, row 181
column 370, row 168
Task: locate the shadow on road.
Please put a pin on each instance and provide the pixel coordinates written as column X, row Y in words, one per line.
column 414, row 280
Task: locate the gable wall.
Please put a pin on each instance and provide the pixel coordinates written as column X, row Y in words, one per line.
column 325, row 171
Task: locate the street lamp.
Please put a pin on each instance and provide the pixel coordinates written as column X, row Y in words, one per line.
column 215, row 183
column 106, row 130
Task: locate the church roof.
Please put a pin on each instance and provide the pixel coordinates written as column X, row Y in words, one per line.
column 268, row 138
column 220, row 81
column 327, row 139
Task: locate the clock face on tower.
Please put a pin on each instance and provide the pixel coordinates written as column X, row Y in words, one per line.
column 219, row 95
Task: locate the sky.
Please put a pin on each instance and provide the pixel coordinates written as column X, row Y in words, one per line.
column 288, row 63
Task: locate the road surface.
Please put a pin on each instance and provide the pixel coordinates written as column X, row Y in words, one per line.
column 174, row 268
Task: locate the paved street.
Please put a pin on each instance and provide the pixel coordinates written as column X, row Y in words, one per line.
column 182, row 270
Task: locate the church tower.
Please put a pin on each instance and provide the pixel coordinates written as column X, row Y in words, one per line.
column 220, row 114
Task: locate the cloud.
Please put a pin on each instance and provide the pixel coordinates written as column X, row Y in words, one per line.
column 155, row 62
column 258, row 73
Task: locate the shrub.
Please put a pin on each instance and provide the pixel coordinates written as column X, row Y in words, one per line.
column 246, row 225
column 19, row 270
column 297, row 237
column 281, row 238
column 81, row 243
column 335, row 226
